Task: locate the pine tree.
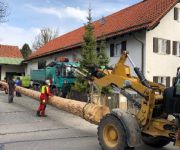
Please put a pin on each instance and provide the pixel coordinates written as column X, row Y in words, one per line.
column 88, row 54
column 102, row 56
column 26, row 51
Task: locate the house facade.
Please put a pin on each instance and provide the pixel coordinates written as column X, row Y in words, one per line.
column 149, row 30
column 10, row 61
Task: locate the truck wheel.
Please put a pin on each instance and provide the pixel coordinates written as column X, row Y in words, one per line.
column 156, row 142
column 111, row 134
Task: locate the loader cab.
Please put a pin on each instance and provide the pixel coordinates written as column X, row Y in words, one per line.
column 177, row 84
column 177, row 88
column 65, row 71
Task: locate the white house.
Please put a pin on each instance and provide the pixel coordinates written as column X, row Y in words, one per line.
column 149, row 30
column 10, row 61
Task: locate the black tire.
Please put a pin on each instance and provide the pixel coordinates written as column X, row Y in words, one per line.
column 156, row 142
column 120, row 142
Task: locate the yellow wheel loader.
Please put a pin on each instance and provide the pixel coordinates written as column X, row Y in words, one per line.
column 157, row 121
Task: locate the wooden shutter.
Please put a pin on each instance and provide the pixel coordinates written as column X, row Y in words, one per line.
column 168, row 81
column 155, row 79
column 174, row 48
column 155, row 45
column 97, row 50
column 123, row 46
column 168, row 47
column 112, row 50
column 176, row 13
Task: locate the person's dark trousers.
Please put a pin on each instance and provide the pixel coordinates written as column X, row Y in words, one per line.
column 18, row 94
column 10, row 98
column 64, row 95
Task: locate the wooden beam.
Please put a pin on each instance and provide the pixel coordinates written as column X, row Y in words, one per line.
column 88, row 111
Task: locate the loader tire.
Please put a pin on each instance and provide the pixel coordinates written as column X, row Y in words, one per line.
column 156, row 142
column 111, row 134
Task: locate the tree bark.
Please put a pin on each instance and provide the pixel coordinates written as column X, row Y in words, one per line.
column 88, row 111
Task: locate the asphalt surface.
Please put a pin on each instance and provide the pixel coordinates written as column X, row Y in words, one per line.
column 20, row 129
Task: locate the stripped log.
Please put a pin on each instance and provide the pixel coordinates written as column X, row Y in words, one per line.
column 88, row 111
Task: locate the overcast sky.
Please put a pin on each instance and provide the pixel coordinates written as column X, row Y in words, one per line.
column 27, row 17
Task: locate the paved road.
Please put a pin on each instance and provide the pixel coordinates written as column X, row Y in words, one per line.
column 20, row 129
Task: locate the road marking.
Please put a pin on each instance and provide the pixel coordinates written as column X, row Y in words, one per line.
column 8, row 112
column 50, row 139
column 43, row 130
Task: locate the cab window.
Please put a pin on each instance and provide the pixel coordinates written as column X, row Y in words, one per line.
column 70, row 72
column 177, row 88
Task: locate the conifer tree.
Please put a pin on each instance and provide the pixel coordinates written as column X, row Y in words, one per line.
column 26, row 51
column 102, row 56
column 89, row 54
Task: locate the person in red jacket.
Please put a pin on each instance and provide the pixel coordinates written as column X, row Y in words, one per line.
column 45, row 93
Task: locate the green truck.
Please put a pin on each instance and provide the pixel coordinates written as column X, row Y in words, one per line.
column 57, row 73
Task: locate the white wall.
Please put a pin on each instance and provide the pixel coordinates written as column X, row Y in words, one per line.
column 133, row 46
column 32, row 65
column 10, row 68
column 158, row 64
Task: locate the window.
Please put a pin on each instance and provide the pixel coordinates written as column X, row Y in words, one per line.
column 176, row 48
column 116, row 49
column 112, row 50
column 98, row 51
column 161, row 46
column 162, row 80
column 70, row 72
column 41, row 64
column 177, row 14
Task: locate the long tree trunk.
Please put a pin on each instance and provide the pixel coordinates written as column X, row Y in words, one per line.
column 88, row 111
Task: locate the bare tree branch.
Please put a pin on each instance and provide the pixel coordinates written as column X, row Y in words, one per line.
column 44, row 37
column 3, row 12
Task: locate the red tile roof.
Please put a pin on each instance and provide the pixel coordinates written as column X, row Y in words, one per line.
column 10, row 51
column 143, row 15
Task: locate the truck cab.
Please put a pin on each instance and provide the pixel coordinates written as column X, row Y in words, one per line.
column 57, row 72
column 60, row 72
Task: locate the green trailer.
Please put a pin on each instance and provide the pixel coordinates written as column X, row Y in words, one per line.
column 57, row 73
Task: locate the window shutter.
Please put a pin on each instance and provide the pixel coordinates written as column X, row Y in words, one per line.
column 155, row 79
column 176, row 13
column 98, row 50
column 168, row 81
column 123, row 45
column 168, row 47
column 155, row 45
column 174, row 48
column 112, row 50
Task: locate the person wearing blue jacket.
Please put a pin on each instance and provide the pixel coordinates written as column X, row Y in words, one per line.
column 18, row 82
